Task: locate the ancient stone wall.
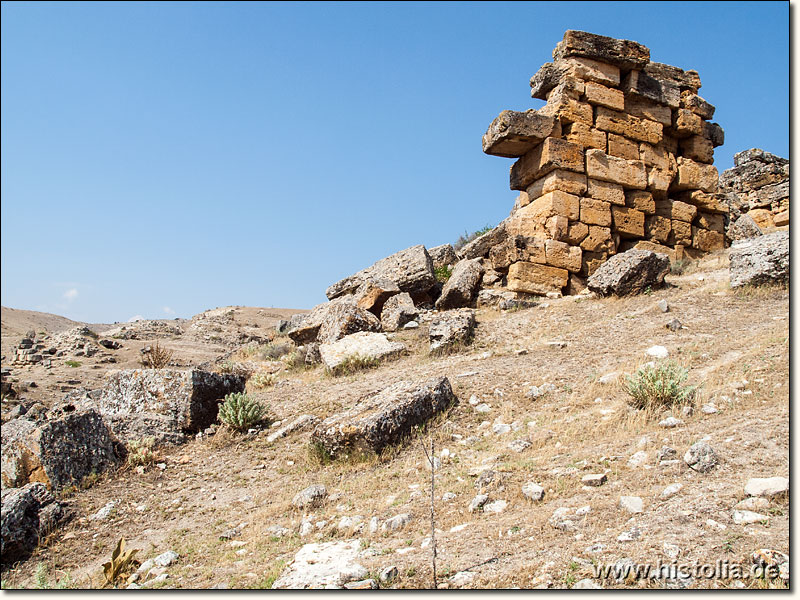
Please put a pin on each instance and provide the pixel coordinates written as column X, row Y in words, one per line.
column 758, row 186
column 621, row 156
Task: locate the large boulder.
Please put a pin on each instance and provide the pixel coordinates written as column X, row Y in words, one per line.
column 443, row 256
column 373, row 293
column 28, row 513
column 411, row 269
column 480, row 246
column 333, row 320
column 383, row 418
column 760, row 260
column 398, row 311
column 364, row 345
column 451, row 329
column 73, row 444
column 460, row 289
column 744, row 228
column 166, row 404
column 630, row 272
column 328, row 565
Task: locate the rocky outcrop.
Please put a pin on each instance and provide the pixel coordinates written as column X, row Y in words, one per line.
column 460, row 289
column 760, row 260
column 758, row 185
column 451, row 329
column 363, row 346
column 165, row 404
column 410, row 269
column 323, row 566
column 28, row 514
column 383, row 418
column 631, row 272
column 59, row 452
column 373, row 294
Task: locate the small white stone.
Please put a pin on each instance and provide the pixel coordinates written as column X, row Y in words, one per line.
column 671, row 490
column 771, row 486
column 716, row 525
column 483, row 408
column 746, row 517
column 631, row 504
column 657, row 352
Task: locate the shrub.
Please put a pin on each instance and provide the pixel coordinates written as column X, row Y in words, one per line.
column 355, row 363
column 295, row 361
column 262, row 380
column 466, row 238
column 141, row 453
column 121, row 563
column 443, row 273
column 240, row 411
column 659, row 385
column 158, row 357
column 72, row 363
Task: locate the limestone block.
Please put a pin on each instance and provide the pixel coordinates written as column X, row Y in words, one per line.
column 548, row 156
column 536, row 279
column 631, row 127
column 627, row 173
column 595, row 212
column 628, row 222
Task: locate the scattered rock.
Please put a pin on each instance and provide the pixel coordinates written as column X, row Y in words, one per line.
column 300, row 423
column 761, row 260
column 373, row 293
column 497, row 506
column 541, row 390
column 519, row 445
column 478, row 502
column 631, row 504
column 323, row 566
column 533, row 491
column 657, row 352
column 637, row 459
column 451, row 328
column 443, row 256
column 753, row 504
column 701, row 457
column 666, row 453
column 397, row 522
column 382, row 418
column 663, row 306
column 629, row 272
column 586, row 584
column 744, row 228
column 747, row 517
column 166, row 559
column 364, row 346
column 671, row 422
column 767, row 488
column 399, row 311
column 364, row 584
column 462, row 578
column 460, row 289
column 674, row 325
column 631, row 535
column 313, row 496
column 594, row 479
column 388, row 574
column 772, row 559
column 29, row 513
column 105, row 511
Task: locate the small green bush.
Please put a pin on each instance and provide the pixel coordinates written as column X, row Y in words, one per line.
column 262, row 380
column 141, row 453
column 659, row 385
column 72, row 363
column 354, row 364
column 467, row 237
column 240, row 412
column 443, row 273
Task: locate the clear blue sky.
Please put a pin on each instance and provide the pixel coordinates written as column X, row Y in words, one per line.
column 159, row 159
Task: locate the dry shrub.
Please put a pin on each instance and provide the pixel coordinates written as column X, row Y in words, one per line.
column 158, row 357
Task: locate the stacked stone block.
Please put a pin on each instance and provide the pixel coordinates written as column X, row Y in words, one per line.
column 621, row 156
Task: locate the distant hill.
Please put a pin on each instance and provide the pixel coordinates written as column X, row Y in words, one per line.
column 16, row 322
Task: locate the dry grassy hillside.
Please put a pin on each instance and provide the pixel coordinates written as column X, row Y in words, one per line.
column 735, row 344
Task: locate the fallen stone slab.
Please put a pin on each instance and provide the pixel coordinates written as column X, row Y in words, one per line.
column 323, row 566
column 443, row 256
column 166, row 404
column 383, row 418
column 62, row 451
column 451, row 329
column 460, row 289
column 480, row 246
column 767, row 487
column 512, row 134
column 630, row 272
column 28, row 514
column 411, row 269
column 398, row 311
column 624, row 54
column 764, row 259
column 744, row 228
column 364, row 346
column 301, row 422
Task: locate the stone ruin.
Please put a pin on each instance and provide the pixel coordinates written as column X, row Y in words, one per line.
column 620, row 157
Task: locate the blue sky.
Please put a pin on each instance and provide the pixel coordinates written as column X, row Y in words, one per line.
column 160, row 159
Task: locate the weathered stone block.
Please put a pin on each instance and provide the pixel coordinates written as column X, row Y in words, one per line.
column 451, row 328
column 536, row 279
column 681, row 233
column 562, row 104
column 587, row 70
column 695, row 176
column 658, row 228
column 460, row 289
column 443, row 256
column 557, row 203
column 548, row 156
column 647, row 109
column 592, row 261
column 675, row 209
column 656, row 156
column 715, row 133
column 629, row 126
column 606, row 191
column 563, row 256
column 595, row 212
column 630, row 272
column 558, row 181
column 641, row 201
column 628, row 173
column 398, row 311
column 598, row 240
column 576, row 232
column 373, row 293
column 379, row 420
column 762, row 217
column 557, row 227
column 698, row 148
column 622, row 147
column 625, row 54
column 585, row 136
column 686, row 123
column 685, row 80
column 512, row 134
column 713, row 203
column 697, row 105
column 364, row 345
column 644, row 85
column 601, row 95
column 760, row 260
column 706, row 240
column 166, row 403
column 628, row 222
column 673, row 253
column 29, row 514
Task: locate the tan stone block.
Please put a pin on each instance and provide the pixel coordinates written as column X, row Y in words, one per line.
column 591, row 70
column 641, row 201
column 563, row 256
column 512, row 134
column 655, row 156
column 601, row 95
column 622, row 147
column 557, row 227
column 695, row 176
column 533, row 278
column 606, row 191
column 658, row 228
column 576, row 232
column 523, row 199
column 661, row 249
column 712, row 221
column 646, row 109
column 585, row 135
column 562, row 103
column 576, row 284
column 659, row 180
column 558, row 203
column 681, row 233
column 627, row 173
column 782, row 219
column 548, row 156
column 698, row 148
column 517, row 248
column 628, row 222
column 686, row 123
column 592, row 261
column 675, row 209
column 598, row 240
column 631, row 127
column 595, row 212
column 670, row 144
column 712, row 203
column 762, row 217
column 558, row 180
column 706, row 240
column 697, row 105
